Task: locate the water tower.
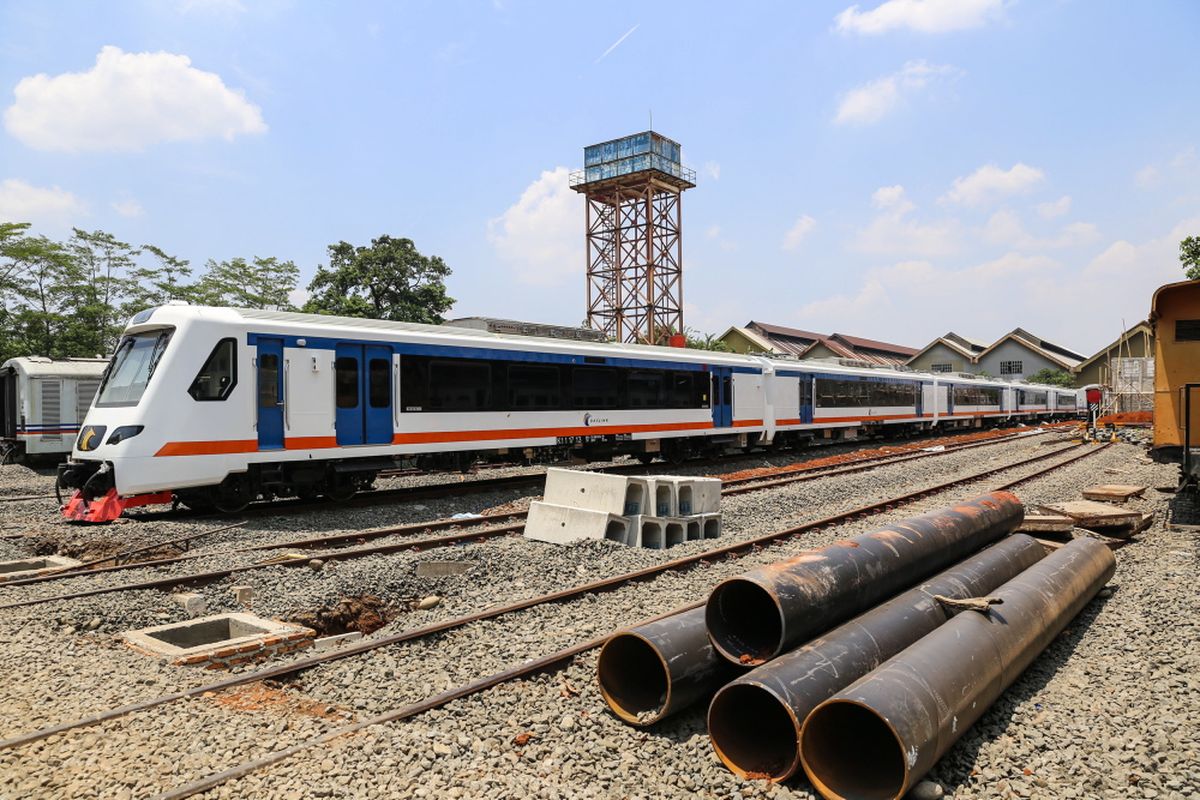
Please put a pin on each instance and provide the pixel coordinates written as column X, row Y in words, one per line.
column 634, row 245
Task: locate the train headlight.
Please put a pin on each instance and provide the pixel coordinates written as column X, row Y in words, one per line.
column 90, row 437
column 125, row 432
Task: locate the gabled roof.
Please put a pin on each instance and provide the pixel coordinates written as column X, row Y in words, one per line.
column 799, row 343
column 953, row 344
column 973, row 345
column 752, row 335
column 1066, row 359
column 1143, row 326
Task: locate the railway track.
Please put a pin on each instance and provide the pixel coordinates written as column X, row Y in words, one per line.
column 733, row 550
column 513, row 524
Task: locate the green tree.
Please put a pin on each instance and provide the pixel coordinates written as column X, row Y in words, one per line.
column 42, row 292
column 388, row 280
column 263, row 283
column 1052, row 377
column 98, row 282
column 155, row 285
column 704, row 341
column 1189, row 257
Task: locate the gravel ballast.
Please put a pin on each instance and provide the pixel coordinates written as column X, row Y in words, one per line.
column 576, row 748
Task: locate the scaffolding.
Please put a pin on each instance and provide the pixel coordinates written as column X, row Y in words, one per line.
column 634, row 223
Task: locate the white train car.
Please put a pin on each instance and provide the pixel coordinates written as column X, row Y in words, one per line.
column 215, row 407
column 42, row 403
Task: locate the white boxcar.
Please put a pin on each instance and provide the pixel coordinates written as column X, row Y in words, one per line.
column 42, row 404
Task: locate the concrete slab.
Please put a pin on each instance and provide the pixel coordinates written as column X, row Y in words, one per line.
column 330, row 642
column 1113, row 492
column 221, row 640
column 1046, row 523
column 442, row 569
column 1091, row 514
column 550, row 522
column 596, row 491
column 32, row 567
column 691, row 495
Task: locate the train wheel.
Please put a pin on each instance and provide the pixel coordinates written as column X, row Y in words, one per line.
column 232, row 495
column 340, row 489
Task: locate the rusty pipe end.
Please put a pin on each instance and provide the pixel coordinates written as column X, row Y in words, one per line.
column 754, row 732
column 634, row 679
column 850, row 751
column 744, row 621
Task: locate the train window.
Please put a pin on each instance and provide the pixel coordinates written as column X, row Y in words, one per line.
column 976, row 396
column 687, row 390
column 218, row 375
column 806, row 390
column 268, row 380
column 345, row 380
column 379, row 389
column 532, row 387
column 1187, row 330
column 460, row 385
column 594, row 387
column 132, row 365
column 644, row 389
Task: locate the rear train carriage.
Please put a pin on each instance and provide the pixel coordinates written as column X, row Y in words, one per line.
column 42, row 403
column 1175, row 316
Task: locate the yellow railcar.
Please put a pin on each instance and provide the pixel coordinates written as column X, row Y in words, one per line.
column 1175, row 316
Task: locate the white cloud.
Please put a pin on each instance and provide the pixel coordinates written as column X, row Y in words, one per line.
column 713, row 232
column 1147, row 176
column 126, row 102
column 923, row 16
column 23, row 202
column 894, row 233
column 541, row 235
column 1005, row 228
column 1055, row 209
column 888, row 197
column 128, row 207
column 713, row 170
column 798, row 232
column 871, row 102
column 989, row 182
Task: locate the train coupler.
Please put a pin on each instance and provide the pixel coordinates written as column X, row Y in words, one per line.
column 109, row 506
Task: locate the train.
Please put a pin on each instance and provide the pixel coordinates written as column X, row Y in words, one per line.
column 1175, row 317
column 42, row 404
column 213, row 408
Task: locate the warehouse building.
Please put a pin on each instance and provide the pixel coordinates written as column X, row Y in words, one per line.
column 762, row 337
column 1016, row 355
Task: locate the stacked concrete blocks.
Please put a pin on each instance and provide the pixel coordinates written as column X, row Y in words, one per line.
column 657, row 511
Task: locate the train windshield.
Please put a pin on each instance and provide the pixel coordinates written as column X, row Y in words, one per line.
column 131, row 367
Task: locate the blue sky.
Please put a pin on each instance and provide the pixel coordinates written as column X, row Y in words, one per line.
column 892, row 170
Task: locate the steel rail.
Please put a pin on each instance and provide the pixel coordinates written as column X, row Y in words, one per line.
column 27, row 497
column 357, row 536
column 734, row 550
column 754, row 483
column 514, row 672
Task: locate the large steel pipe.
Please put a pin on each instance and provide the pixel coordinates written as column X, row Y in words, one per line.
column 651, row 671
column 755, row 721
column 756, row 616
column 876, row 738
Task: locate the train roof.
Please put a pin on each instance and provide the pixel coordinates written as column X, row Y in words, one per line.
column 42, row 367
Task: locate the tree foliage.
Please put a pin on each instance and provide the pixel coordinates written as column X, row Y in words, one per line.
column 390, row 279
column 72, row 298
column 1189, row 257
column 705, row 341
column 259, row 283
column 1052, row 377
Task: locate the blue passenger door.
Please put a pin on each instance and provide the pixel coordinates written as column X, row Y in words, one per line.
column 806, row 399
column 269, row 369
column 363, row 394
column 377, row 390
column 347, row 393
column 722, row 397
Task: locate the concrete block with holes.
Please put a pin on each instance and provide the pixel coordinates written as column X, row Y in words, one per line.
column 595, row 491
column 689, row 495
column 551, row 522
